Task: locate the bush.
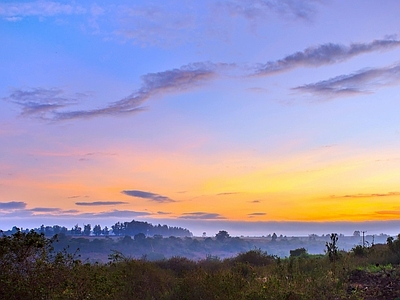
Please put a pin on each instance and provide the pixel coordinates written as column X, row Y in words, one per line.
column 254, row 257
column 359, row 251
column 298, row 252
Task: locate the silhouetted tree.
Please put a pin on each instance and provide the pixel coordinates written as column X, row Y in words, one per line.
column 105, row 231
column 222, row 235
column 97, row 230
column 76, row 230
column 139, row 237
column 87, row 229
column 332, row 248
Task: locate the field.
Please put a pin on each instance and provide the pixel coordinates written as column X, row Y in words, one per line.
column 32, row 269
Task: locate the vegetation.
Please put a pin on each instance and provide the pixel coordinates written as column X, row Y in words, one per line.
column 32, row 268
column 118, row 229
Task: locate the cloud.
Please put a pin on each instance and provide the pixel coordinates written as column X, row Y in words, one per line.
column 202, row 216
column 100, row 153
column 45, row 209
column 161, row 25
column 168, row 25
column 118, row 213
column 39, row 101
column 390, row 194
column 163, row 213
column 17, row 11
column 389, row 212
column 46, row 103
column 359, row 82
column 12, row 205
column 227, row 193
column 71, row 211
column 255, row 201
column 53, row 211
column 175, row 80
column 323, row 55
column 257, row 9
column 19, row 210
column 256, row 214
column 99, row 203
column 147, row 195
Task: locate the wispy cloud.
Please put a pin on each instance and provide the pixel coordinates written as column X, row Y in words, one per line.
column 18, row 209
column 256, row 214
column 45, row 209
column 16, row 11
column 395, row 212
column 46, row 103
column 175, row 80
column 163, row 213
column 256, row 9
column 147, row 195
column 255, row 201
column 12, row 205
column 390, row 194
column 167, row 25
column 38, row 102
column 161, row 25
column 71, row 211
column 201, row 216
column 118, row 213
column 54, row 211
column 100, row 203
column 323, row 55
column 227, row 193
column 363, row 81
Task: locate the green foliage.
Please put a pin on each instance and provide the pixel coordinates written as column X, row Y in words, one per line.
column 180, row 266
column 32, row 269
column 298, row 252
column 359, row 250
column 394, row 246
column 254, row 257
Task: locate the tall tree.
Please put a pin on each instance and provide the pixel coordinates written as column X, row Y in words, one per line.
column 87, row 229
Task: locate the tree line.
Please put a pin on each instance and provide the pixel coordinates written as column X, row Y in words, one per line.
column 119, row 229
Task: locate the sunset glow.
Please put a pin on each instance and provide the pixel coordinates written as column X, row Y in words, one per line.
column 203, row 112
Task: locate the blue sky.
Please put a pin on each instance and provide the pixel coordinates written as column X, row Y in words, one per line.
column 197, row 113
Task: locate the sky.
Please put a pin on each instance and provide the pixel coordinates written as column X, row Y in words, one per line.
column 251, row 116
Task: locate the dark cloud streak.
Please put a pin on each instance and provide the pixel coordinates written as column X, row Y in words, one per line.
column 38, row 102
column 323, row 55
column 360, row 82
column 12, row 205
column 174, row 80
column 201, row 216
column 256, row 9
column 46, row 103
column 100, row 203
column 257, row 214
column 227, row 193
column 390, row 194
column 147, row 195
column 45, row 209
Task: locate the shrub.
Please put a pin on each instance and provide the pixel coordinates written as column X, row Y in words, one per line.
column 254, row 257
column 298, row 252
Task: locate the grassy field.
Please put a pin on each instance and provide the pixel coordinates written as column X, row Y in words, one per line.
column 31, row 269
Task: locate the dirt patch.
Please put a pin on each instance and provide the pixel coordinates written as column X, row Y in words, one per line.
column 375, row 285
